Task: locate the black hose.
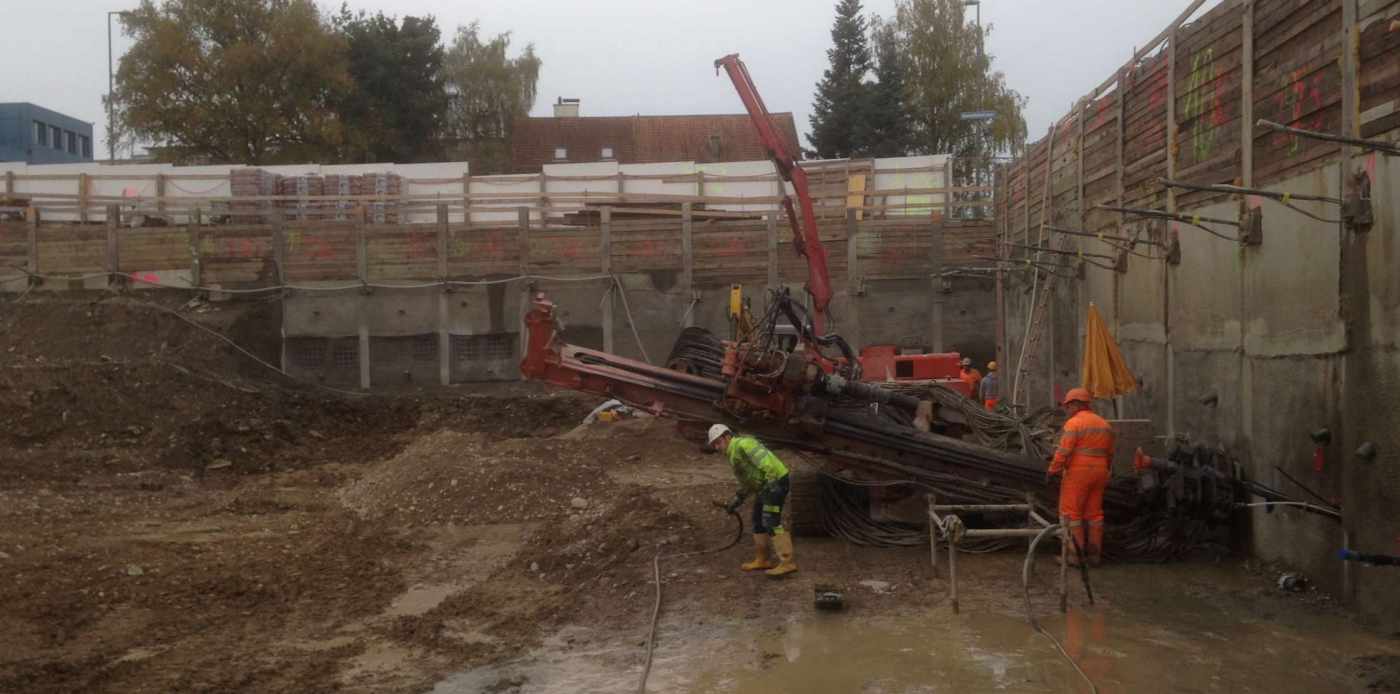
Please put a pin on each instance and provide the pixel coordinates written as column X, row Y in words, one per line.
column 656, row 577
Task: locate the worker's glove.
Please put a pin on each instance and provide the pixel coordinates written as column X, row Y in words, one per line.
column 733, row 505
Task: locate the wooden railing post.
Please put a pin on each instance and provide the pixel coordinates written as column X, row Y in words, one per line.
column 115, row 279
column 362, row 269
column 443, row 324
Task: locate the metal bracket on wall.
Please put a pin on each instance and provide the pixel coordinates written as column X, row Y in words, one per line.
column 1356, row 211
column 1252, row 227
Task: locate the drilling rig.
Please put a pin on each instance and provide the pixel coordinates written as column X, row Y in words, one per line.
column 880, row 441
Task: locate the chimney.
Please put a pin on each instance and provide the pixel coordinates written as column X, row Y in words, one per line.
column 566, row 108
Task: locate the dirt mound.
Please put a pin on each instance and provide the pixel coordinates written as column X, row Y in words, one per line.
column 457, row 477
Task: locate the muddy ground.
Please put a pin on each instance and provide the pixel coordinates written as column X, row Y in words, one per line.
column 174, row 517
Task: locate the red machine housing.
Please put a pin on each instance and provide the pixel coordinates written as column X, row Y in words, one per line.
column 885, row 363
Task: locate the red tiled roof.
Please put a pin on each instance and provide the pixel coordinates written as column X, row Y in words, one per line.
column 643, row 139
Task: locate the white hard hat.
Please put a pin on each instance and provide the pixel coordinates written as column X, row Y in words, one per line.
column 717, row 431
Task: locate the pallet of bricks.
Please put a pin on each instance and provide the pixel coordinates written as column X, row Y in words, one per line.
column 387, row 185
column 251, row 183
column 301, row 188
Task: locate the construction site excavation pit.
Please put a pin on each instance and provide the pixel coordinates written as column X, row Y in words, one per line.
column 175, row 516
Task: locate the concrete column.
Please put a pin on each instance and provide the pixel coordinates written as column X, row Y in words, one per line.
column 687, row 260
column 114, row 261
column 935, row 263
column 772, row 219
column 444, row 336
column 9, row 183
column 605, row 257
column 160, row 194
column 362, row 270
column 853, row 279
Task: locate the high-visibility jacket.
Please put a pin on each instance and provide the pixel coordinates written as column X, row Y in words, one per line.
column 972, row 377
column 754, row 465
column 1087, row 441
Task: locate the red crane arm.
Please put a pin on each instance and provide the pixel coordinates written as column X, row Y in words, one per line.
column 805, row 236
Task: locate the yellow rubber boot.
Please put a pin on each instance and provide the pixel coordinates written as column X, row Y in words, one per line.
column 760, row 554
column 782, row 542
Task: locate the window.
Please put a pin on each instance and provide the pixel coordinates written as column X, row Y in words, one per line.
column 72, row 142
column 86, row 143
column 561, row 153
column 56, row 133
column 607, row 152
column 41, row 133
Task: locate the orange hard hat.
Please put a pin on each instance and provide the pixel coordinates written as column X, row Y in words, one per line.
column 1078, row 395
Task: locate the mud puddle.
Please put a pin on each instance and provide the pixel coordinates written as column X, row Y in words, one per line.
column 1154, row 629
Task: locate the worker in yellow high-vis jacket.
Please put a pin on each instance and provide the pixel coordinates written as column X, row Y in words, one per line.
column 759, row 473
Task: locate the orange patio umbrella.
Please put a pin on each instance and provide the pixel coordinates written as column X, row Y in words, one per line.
column 1106, row 375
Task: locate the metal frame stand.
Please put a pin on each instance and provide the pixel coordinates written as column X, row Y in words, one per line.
column 946, row 525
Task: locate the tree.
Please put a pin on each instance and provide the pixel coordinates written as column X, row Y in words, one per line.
column 948, row 73
column 243, row 81
column 487, row 91
column 398, row 106
column 841, row 100
column 886, row 127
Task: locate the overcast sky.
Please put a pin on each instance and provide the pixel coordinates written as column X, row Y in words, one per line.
column 623, row 57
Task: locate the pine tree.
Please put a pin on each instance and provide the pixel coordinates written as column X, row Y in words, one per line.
column 840, row 104
column 886, row 130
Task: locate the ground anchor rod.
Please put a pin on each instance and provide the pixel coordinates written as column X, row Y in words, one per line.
column 1371, row 145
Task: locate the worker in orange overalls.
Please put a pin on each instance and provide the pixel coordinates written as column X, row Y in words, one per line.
column 971, row 376
column 1084, row 456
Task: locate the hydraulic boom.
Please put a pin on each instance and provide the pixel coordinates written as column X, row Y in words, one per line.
column 805, row 237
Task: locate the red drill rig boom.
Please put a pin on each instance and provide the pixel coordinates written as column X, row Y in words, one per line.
column 804, row 231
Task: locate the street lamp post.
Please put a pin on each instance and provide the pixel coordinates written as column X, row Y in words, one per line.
column 978, row 5
column 111, row 86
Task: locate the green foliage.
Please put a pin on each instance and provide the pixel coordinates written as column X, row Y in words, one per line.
column 240, row 81
column 487, row 91
column 398, row 107
column 887, row 128
column 947, row 73
column 839, row 108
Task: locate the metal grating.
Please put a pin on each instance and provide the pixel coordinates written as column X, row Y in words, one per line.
column 489, row 347
column 307, row 353
column 345, row 355
column 425, row 348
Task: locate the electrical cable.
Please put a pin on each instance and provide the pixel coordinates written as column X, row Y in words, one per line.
column 1311, row 507
column 1030, row 617
column 656, row 606
column 622, row 292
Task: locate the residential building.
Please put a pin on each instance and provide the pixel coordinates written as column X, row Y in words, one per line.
column 568, row 137
column 36, row 135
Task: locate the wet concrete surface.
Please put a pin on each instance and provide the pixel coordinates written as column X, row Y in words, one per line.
column 1170, row 628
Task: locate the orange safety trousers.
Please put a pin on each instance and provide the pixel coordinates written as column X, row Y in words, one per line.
column 1085, row 452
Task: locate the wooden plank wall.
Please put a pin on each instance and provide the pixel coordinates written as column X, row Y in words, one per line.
column 1297, row 70
column 724, row 251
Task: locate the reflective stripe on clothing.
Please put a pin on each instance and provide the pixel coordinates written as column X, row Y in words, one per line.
column 1087, row 441
column 754, row 465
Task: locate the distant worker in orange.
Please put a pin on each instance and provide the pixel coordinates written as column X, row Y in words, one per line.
column 1084, row 456
column 971, row 376
column 990, row 390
